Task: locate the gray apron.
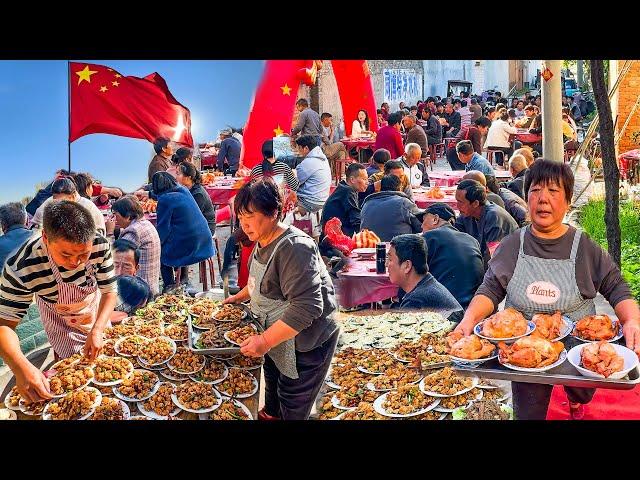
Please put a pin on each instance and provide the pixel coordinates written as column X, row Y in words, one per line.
column 269, row 311
column 541, row 285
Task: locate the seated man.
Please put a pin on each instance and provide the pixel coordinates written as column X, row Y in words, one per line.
column 229, row 154
column 331, row 146
column 529, row 115
column 389, row 212
column 472, row 160
column 314, row 174
column 380, row 157
column 518, row 169
column 13, row 219
column 408, row 269
column 133, row 293
column 485, row 221
column 413, row 166
column 454, row 257
column 389, row 137
column 482, row 178
column 391, row 167
column 502, row 197
column 126, row 257
column 343, row 202
column 415, row 134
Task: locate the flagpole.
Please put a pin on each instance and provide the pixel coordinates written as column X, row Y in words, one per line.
column 69, row 115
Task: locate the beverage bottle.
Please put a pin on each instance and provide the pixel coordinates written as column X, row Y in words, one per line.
column 381, row 258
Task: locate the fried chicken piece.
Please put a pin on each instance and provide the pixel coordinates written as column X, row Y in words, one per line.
column 530, row 352
column 471, row 347
column 601, row 358
column 596, row 327
column 506, row 324
column 547, row 326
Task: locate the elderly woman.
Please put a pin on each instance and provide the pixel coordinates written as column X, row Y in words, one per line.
column 184, row 233
column 128, row 215
column 545, row 253
column 292, row 294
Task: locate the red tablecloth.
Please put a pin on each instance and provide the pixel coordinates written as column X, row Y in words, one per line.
column 528, row 138
column 350, row 143
column 221, row 195
column 360, row 286
column 422, row 201
column 442, row 180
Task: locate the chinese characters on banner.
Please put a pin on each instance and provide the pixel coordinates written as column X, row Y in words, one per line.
column 402, row 85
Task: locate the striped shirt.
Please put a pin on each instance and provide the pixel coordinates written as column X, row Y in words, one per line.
column 28, row 272
column 143, row 234
column 281, row 170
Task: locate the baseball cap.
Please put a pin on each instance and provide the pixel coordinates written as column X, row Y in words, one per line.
column 441, row 209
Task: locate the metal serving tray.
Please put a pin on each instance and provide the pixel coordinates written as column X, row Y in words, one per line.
column 194, row 334
column 563, row 374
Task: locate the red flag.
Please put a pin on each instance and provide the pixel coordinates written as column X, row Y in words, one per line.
column 103, row 101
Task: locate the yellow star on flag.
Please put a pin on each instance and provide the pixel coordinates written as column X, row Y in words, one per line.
column 278, row 131
column 85, row 74
column 103, row 88
column 286, row 90
column 115, row 84
column 118, row 75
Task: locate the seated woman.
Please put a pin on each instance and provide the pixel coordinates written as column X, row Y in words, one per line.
column 292, row 295
column 182, row 155
column 184, row 232
column 360, row 126
column 189, row 177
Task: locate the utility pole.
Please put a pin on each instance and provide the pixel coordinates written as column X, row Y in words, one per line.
column 579, row 73
column 552, row 144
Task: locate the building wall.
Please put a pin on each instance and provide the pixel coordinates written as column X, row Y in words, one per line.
column 628, row 93
column 438, row 72
column 496, row 76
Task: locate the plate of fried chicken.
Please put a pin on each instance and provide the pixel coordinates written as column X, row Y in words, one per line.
column 505, row 326
column 603, row 360
column 532, row 354
column 469, row 351
column 594, row 328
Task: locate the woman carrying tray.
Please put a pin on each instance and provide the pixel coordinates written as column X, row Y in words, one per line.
column 535, row 269
column 292, row 295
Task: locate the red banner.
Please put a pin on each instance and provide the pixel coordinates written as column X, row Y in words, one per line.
column 103, row 101
column 356, row 91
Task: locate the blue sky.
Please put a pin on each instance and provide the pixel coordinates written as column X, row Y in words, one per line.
column 34, row 121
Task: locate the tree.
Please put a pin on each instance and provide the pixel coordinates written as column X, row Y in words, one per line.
column 609, row 164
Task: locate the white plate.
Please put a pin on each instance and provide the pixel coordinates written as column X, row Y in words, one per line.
column 242, row 406
column 116, row 347
column 27, row 411
column 131, row 399
column 567, row 329
column 125, row 409
column 202, row 410
column 400, row 359
column 139, row 417
column 466, row 363
column 476, row 380
column 202, row 364
column 6, row 403
column 154, row 415
column 226, row 336
column 363, row 370
column 332, row 385
column 81, row 386
column 174, row 348
column 614, row 339
column 450, row 410
column 336, row 404
column 372, row 387
column 377, row 406
column 116, row 382
column 630, row 362
column 55, row 365
column 231, row 364
column 169, row 375
column 478, row 329
column 561, row 358
column 215, row 382
column 242, row 395
column 46, row 416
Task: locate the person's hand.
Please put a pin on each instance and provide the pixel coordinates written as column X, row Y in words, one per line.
column 465, row 327
column 142, row 194
column 110, row 224
column 254, row 346
column 631, row 330
column 230, row 299
column 32, row 385
column 112, row 192
column 93, row 345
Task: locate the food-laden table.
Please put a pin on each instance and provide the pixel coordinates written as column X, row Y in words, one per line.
column 525, row 137
column 223, row 191
column 360, row 284
column 452, row 178
column 359, row 143
column 425, row 197
column 164, row 374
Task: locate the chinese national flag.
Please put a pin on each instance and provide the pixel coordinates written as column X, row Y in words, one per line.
column 103, row 101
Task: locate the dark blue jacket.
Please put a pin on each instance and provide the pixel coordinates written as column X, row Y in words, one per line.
column 455, row 260
column 229, row 150
column 184, row 233
column 343, row 204
column 11, row 241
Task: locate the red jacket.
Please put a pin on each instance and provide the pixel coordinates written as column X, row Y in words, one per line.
column 389, row 137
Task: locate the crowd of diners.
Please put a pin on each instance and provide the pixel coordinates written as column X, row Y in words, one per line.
column 85, row 271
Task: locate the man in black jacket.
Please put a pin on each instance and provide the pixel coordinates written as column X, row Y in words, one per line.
column 343, row 202
column 518, row 168
column 432, row 127
column 453, row 121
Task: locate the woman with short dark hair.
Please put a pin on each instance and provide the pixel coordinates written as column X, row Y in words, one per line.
column 543, row 257
column 141, row 232
column 292, row 295
column 190, row 178
column 184, row 233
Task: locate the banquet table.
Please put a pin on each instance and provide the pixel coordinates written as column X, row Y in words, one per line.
column 527, row 138
column 422, row 201
column 221, row 194
column 358, row 143
column 452, row 178
column 361, row 284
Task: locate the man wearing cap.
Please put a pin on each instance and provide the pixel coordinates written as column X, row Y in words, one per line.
column 229, row 152
column 454, row 257
column 408, row 269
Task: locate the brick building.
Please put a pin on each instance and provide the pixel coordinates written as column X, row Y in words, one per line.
column 623, row 103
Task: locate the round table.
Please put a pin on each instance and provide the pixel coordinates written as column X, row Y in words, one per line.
column 221, row 194
column 359, row 285
column 358, row 143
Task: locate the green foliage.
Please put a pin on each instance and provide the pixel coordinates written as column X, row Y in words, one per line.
column 631, row 267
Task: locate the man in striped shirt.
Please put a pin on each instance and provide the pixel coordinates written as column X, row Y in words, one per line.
column 69, row 270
